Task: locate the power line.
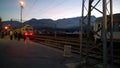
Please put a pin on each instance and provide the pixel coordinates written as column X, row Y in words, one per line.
column 52, row 5
column 31, row 7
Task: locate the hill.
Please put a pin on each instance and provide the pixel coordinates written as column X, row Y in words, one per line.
column 69, row 24
column 63, row 24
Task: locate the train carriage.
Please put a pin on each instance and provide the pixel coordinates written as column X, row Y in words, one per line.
column 98, row 30
column 27, row 31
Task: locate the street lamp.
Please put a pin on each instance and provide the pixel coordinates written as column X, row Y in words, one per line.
column 6, row 27
column 0, row 24
column 55, row 29
column 21, row 3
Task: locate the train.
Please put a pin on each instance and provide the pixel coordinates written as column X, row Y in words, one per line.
column 98, row 30
column 26, row 31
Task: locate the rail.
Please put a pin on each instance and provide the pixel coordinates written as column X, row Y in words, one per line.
column 94, row 51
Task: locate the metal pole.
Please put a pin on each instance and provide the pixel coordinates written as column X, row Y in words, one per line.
column 89, row 20
column 21, row 14
column 0, row 24
column 81, row 25
column 55, row 30
column 88, row 30
column 104, row 34
column 111, row 33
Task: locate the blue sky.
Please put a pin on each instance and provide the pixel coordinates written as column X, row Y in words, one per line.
column 53, row 9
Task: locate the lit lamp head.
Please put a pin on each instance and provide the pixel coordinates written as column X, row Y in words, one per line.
column 21, row 4
column 6, row 27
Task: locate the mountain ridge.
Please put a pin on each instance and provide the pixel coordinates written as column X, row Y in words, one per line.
column 65, row 23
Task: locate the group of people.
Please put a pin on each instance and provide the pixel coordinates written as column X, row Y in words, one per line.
column 15, row 35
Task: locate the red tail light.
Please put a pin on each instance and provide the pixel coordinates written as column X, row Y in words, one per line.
column 31, row 33
column 26, row 33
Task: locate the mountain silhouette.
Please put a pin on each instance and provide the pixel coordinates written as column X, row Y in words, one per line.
column 66, row 23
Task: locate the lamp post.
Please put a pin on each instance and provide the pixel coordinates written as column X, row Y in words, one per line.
column 55, row 29
column 0, row 24
column 21, row 3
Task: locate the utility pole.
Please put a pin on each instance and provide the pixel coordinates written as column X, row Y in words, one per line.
column 0, row 24
column 111, row 32
column 88, row 30
column 92, row 5
column 81, row 29
column 55, row 32
column 104, row 24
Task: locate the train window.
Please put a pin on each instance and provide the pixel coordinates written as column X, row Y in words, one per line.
column 116, row 27
column 26, row 29
column 30, row 29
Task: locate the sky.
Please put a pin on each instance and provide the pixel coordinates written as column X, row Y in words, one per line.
column 48, row 9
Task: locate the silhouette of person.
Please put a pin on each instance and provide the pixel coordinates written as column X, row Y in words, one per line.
column 19, row 35
column 11, row 35
column 15, row 35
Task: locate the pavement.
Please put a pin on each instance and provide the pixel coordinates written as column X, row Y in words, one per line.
column 28, row 54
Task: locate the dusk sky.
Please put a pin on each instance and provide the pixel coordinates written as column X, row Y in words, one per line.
column 52, row 9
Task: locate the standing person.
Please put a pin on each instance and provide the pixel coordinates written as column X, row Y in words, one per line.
column 19, row 35
column 11, row 35
column 15, row 35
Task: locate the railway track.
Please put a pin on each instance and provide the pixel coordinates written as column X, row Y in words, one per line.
column 93, row 50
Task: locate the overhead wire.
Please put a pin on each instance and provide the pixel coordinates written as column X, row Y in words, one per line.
column 71, row 12
column 30, row 8
column 44, row 10
column 54, row 5
column 37, row 9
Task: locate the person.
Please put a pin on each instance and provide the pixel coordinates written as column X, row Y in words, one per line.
column 19, row 35
column 15, row 35
column 11, row 35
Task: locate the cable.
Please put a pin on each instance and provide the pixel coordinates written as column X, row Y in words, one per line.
column 31, row 7
column 50, row 7
column 44, row 10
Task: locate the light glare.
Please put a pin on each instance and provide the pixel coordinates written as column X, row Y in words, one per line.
column 21, row 3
